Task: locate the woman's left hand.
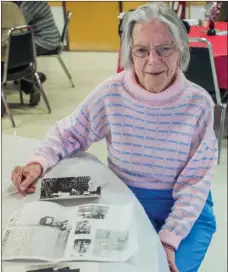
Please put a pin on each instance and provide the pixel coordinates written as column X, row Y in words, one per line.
column 170, row 254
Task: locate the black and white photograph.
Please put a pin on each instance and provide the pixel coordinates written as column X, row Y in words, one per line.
column 54, row 267
column 83, row 227
column 69, row 187
column 52, row 222
column 107, row 241
column 44, row 268
column 81, row 246
column 51, row 268
column 92, row 212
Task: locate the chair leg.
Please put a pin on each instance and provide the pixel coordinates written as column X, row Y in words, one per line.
column 42, row 92
column 65, row 70
column 221, row 130
column 21, row 94
column 8, row 110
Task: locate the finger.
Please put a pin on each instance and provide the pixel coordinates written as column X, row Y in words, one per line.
column 32, row 186
column 34, row 172
column 30, row 178
column 31, row 190
column 16, row 175
column 17, row 169
column 17, row 180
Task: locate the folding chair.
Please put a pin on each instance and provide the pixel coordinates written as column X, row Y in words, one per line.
column 202, row 71
column 58, row 51
column 20, row 63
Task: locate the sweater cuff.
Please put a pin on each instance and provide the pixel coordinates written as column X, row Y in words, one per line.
column 169, row 238
column 42, row 161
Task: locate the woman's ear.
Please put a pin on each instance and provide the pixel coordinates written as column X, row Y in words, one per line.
column 179, row 60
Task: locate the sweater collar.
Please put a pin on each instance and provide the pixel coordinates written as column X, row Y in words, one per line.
column 169, row 95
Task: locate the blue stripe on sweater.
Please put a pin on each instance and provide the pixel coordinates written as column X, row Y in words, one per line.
column 144, row 164
column 180, row 195
column 151, row 148
column 150, row 138
column 146, row 155
column 119, row 105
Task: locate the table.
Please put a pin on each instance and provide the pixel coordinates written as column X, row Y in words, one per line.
column 220, row 50
column 150, row 256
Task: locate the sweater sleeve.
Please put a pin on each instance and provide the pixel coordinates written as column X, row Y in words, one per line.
column 87, row 124
column 192, row 187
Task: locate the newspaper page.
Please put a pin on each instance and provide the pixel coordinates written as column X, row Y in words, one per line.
column 50, row 232
column 39, row 230
column 53, row 267
column 102, row 233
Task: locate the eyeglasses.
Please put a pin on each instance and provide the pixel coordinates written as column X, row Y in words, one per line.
column 162, row 51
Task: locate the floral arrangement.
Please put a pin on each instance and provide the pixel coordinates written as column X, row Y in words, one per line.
column 213, row 11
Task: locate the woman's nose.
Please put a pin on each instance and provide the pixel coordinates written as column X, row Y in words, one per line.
column 153, row 56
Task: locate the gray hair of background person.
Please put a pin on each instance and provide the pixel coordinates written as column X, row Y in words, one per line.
column 163, row 13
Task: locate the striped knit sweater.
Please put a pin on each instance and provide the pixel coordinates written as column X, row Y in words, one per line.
column 155, row 141
column 38, row 14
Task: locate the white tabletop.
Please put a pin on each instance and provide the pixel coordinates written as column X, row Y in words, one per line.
column 149, row 257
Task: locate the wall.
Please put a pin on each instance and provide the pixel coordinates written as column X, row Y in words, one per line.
column 132, row 5
column 58, row 14
column 194, row 10
column 94, row 25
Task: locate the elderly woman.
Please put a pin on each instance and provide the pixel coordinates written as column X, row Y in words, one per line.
column 159, row 132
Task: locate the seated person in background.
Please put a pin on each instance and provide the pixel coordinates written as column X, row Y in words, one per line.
column 38, row 14
column 159, row 132
column 13, row 17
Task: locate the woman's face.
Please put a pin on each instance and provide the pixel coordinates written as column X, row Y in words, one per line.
column 155, row 71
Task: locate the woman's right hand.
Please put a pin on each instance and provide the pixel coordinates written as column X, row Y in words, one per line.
column 24, row 177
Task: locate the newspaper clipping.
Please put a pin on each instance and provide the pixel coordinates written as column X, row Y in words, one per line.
column 50, row 232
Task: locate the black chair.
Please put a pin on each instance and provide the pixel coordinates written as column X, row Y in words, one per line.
column 58, row 51
column 20, row 62
column 202, row 71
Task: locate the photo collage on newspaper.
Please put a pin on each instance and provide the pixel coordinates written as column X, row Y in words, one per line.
column 57, row 233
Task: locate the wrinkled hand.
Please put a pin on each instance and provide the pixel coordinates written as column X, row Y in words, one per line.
column 170, row 254
column 23, row 177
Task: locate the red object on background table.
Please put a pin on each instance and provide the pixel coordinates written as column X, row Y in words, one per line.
column 219, row 47
column 119, row 68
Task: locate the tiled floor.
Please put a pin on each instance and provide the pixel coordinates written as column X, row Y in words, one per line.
column 88, row 70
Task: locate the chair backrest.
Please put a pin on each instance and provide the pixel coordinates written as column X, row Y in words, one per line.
column 20, row 50
column 201, row 69
column 65, row 29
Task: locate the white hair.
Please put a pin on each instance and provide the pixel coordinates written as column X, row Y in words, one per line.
column 162, row 13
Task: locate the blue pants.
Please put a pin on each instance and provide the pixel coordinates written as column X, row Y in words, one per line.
column 192, row 250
